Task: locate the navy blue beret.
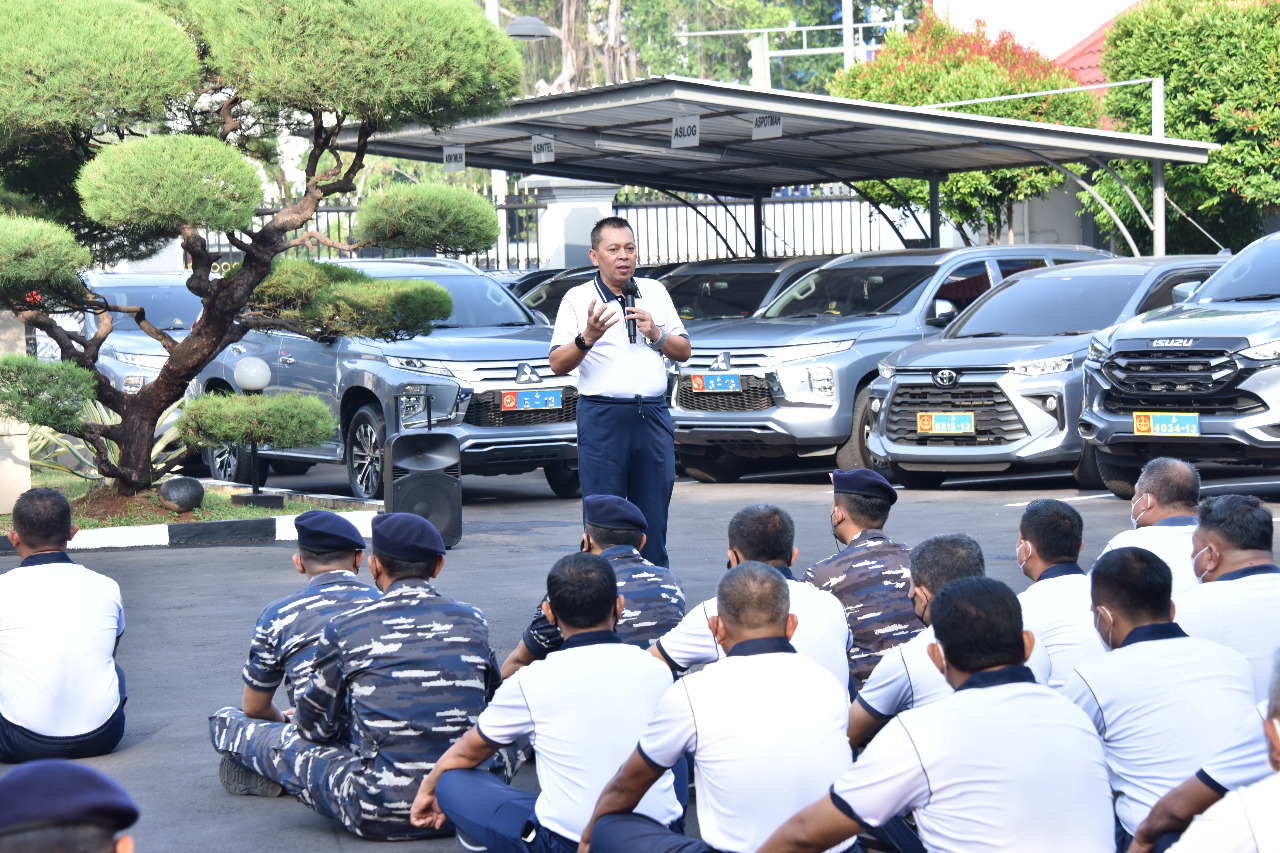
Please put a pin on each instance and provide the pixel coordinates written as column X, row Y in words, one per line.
column 322, row 531
column 612, row 512
column 865, row 482
column 405, row 536
column 56, row 792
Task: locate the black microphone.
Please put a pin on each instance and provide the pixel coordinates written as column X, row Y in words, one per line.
column 629, row 293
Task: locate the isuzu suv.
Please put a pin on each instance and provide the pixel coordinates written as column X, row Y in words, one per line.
column 1199, row 380
column 483, row 375
column 793, row 380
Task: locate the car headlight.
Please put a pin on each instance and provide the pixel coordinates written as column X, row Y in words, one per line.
column 886, row 371
column 1042, row 366
column 413, row 399
column 815, row 384
column 419, row 365
column 1270, row 351
column 138, row 359
column 797, row 352
column 1098, row 351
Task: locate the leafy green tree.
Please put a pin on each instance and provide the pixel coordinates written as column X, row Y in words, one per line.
column 1218, row 61
column 287, row 420
column 937, row 63
column 127, row 121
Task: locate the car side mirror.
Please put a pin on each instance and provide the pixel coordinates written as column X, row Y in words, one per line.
column 944, row 311
column 1182, row 292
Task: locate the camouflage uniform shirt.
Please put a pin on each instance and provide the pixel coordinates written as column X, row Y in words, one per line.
column 284, row 640
column 870, row 577
column 653, row 603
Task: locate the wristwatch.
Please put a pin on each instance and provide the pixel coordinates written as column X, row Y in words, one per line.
column 582, row 343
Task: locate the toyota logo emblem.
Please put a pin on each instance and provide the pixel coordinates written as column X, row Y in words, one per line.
column 946, row 378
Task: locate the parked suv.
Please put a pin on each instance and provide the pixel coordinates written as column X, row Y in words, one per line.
column 792, row 381
column 1199, row 380
column 730, row 289
column 1001, row 387
column 483, row 375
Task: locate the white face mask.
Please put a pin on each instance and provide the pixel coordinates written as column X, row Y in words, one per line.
column 1194, row 557
column 1134, row 518
column 1017, row 555
column 1111, row 628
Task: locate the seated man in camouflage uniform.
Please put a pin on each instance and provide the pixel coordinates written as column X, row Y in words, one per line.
column 654, row 599
column 870, row 574
column 330, row 551
column 394, row 684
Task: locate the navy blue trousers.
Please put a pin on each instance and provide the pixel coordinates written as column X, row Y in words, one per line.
column 496, row 815
column 18, row 744
column 633, row 833
column 627, row 447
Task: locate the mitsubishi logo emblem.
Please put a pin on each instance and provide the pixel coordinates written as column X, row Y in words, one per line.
column 722, row 362
column 526, row 375
column 946, row 378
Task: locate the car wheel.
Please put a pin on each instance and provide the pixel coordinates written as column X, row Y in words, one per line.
column 232, row 464
column 366, row 436
column 916, row 479
column 290, row 467
column 563, row 480
column 715, row 466
column 1086, row 472
column 854, row 453
column 1119, row 479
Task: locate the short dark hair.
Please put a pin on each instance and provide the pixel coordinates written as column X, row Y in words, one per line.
column 762, row 533
column 978, row 623
column 582, row 589
column 866, row 512
column 609, row 222
column 42, row 518
column 327, row 558
column 1054, row 528
column 69, row 838
column 1134, row 582
column 938, row 560
column 753, row 595
column 607, row 537
column 398, row 569
column 1242, row 521
column 1172, row 482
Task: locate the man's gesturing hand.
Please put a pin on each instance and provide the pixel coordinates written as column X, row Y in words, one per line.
column 597, row 322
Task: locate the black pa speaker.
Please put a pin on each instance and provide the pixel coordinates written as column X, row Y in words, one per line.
column 423, row 469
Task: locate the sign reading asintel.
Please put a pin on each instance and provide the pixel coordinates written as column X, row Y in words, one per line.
column 544, row 149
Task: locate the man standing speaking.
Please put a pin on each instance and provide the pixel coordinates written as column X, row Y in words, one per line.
column 616, row 329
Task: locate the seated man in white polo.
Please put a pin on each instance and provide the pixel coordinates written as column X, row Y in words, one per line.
column 61, row 693
column 1162, row 702
column 1002, row 764
column 1163, row 515
column 583, row 706
column 766, row 726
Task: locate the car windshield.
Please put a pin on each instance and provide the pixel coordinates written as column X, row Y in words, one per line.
column 1254, row 274
column 700, row 295
column 547, row 296
column 477, row 300
column 168, row 307
column 1057, row 303
column 849, row 291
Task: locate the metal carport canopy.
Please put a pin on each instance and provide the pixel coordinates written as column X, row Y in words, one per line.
column 622, row 134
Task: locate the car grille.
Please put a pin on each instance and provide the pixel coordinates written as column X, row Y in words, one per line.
column 497, row 372
column 754, row 359
column 1190, row 372
column 1241, row 403
column 486, row 411
column 754, row 397
column 995, row 421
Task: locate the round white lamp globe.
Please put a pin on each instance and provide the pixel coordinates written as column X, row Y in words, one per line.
column 252, row 373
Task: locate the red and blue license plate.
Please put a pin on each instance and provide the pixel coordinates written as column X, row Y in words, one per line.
column 715, row 383
column 520, row 401
column 944, row 423
column 1166, row 423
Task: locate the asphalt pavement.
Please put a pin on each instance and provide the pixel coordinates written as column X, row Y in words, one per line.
column 190, row 613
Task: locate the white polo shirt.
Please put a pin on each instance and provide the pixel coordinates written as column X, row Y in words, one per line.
column 58, row 628
column 1244, row 821
column 1002, row 764
column 1056, row 608
column 1240, row 610
column 907, row 678
column 768, row 729
column 615, row 367
column 1244, row 759
column 1157, row 702
column 1170, row 540
column 822, row 633
column 584, row 708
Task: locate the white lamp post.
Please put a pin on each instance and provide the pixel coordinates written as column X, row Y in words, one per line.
column 252, row 374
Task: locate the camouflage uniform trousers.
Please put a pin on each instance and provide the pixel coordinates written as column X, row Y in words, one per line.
column 332, row 781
